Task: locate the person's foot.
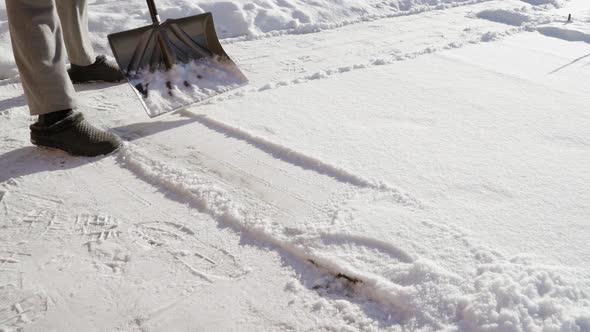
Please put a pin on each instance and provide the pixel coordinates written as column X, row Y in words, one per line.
column 101, row 70
column 68, row 131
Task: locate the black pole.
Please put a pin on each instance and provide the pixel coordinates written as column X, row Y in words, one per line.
column 162, row 39
column 153, row 11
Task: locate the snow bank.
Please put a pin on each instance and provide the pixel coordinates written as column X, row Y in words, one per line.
column 520, row 295
column 555, row 3
column 575, row 30
column 253, row 18
column 547, row 24
column 490, row 292
column 504, row 16
column 571, row 33
column 7, row 66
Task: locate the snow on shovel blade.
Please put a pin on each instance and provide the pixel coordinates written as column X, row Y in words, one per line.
column 175, row 63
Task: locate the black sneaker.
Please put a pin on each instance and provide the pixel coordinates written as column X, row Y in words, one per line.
column 76, row 136
column 101, row 70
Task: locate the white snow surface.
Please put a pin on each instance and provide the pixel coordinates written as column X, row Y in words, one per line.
column 162, row 91
column 392, row 166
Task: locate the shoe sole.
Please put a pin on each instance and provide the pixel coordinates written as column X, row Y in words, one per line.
column 49, row 147
column 98, row 81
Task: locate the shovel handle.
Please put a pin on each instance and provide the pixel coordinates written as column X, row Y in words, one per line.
column 153, row 11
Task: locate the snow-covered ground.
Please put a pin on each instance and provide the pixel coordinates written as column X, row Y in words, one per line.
column 399, row 165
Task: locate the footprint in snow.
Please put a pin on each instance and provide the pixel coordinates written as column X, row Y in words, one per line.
column 206, row 260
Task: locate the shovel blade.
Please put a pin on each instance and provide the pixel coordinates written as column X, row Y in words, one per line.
column 175, row 63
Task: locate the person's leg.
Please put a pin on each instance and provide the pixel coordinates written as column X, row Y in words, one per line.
column 85, row 66
column 74, row 20
column 39, row 53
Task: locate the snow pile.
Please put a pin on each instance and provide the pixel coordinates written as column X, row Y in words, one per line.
column 520, row 295
column 579, row 34
column 554, row 3
column 164, row 91
column 552, row 25
column 252, row 18
column 577, row 30
column 7, row 65
column 504, row 16
column 443, row 282
column 526, row 17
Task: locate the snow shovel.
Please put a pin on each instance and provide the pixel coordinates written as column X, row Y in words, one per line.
column 175, row 63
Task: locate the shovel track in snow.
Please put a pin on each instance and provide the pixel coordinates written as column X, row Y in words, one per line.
column 417, row 291
column 301, row 160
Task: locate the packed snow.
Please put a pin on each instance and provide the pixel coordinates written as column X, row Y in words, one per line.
column 391, row 166
column 162, row 91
